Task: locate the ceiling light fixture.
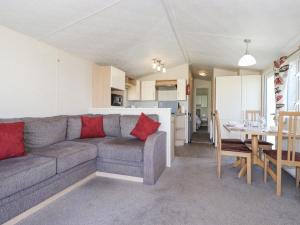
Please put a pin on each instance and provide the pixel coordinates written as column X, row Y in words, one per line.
column 158, row 65
column 202, row 74
column 247, row 59
column 164, row 70
column 154, row 64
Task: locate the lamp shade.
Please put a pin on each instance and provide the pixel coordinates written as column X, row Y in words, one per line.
column 247, row 60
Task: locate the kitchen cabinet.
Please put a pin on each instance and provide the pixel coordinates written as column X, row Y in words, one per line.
column 172, row 138
column 148, row 90
column 181, row 89
column 134, row 91
column 117, row 78
column 180, row 129
column 106, row 80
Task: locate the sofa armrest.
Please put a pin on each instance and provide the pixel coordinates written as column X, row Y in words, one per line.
column 154, row 156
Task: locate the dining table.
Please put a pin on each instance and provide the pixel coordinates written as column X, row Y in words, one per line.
column 254, row 132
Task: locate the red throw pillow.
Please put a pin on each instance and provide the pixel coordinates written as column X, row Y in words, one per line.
column 144, row 127
column 92, row 127
column 11, row 140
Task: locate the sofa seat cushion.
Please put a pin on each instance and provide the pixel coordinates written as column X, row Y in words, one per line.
column 68, row 154
column 94, row 141
column 126, row 149
column 19, row 173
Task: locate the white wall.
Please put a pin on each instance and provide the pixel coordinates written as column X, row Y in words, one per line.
column 39, row 80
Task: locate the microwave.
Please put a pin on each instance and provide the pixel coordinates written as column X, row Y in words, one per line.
column 116, row 100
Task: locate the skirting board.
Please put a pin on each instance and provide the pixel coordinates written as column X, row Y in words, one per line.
column 48, row 201
column 121, row 177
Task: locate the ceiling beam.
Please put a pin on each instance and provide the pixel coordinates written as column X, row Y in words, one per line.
column 114, row 3
column 172, row 22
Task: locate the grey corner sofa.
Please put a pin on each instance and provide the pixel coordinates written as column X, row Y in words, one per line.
column 58, row 158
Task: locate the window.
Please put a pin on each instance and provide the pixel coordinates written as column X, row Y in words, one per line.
column 270, row 104
column 292, row 95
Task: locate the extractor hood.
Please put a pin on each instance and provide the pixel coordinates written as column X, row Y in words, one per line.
column 166, row 84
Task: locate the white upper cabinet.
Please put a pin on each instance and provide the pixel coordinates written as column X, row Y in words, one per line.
column 148, row 90
column 181, row 89
column 134, row 91
column 201, row 100
column 117, row 78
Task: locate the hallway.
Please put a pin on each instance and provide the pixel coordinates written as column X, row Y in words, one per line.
column 201, row 136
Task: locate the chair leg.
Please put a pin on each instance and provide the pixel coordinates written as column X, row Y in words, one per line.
column 297, row 177
column 260, row 153
column 243, row 162
column 278, row 180
column 266, row 170
column 219, row 161
column 249, row 173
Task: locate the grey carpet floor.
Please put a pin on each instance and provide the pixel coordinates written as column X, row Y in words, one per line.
column 187, row 193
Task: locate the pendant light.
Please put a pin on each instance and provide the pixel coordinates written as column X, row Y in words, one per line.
column 247, row 59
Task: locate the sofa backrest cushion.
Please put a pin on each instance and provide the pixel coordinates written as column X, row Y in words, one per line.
column 41, row 132
column 128, row 123
column 111, row 125
column 74, row 127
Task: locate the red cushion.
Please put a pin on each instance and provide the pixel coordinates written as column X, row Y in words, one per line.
column 235, row 148
column 260, row 142
column 92, row 127
column 284, row 155
column 11, row 140
column 144, row 127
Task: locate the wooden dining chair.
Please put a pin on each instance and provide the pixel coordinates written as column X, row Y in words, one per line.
column 229, row 149
column 254, row 115
column 289, row 157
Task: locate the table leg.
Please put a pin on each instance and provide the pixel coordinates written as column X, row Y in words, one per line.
column 237, row 163
column 254, row 146
column 255, row 160
column 243, row 171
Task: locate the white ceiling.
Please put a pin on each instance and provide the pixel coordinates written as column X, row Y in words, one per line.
column 129, row 33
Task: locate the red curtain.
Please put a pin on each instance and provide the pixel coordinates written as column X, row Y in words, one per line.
column 281, row 68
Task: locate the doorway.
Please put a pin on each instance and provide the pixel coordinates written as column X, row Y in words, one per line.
column 201, row 111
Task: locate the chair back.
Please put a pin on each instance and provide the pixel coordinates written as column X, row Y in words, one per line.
column 218, row 130
column 287, row 128
column 252, row 115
